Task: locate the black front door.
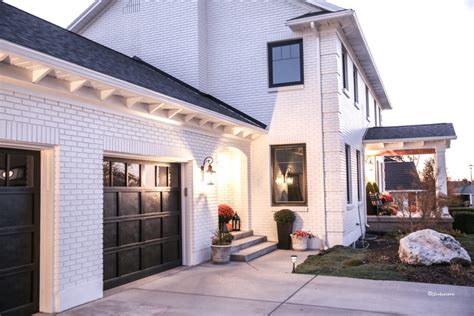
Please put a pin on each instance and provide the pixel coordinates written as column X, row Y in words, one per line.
column 19, row 231
column 142, row 219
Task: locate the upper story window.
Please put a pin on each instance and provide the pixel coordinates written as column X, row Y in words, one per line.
column 356, row 85
column 345, row 81
column 289, row 175
column 348, row 174
column 367, row 107
column 285, row 63
column 375, row 113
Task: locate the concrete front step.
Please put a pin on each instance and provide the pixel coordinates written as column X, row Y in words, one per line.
column 247, row 242
column 242, row 234
column 253, row 252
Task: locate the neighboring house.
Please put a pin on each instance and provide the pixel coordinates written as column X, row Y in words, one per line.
column 466, row 193
column 104, row 155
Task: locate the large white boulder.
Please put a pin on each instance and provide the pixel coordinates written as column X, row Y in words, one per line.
column 427, row 247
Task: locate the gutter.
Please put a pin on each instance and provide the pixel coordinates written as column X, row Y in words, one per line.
column 85, row 17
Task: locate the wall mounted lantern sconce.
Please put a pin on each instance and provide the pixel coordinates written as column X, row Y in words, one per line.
column 207, row 172
column 284, row 178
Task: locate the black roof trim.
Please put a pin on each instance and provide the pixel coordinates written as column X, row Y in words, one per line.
column 410, row 131
column 29, row 31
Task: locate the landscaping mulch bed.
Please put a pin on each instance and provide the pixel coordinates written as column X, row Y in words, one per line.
column 381, row 262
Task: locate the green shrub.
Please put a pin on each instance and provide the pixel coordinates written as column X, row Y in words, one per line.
column 464, row 221
column 284, row 216
column 371, row 188
column 460, row 209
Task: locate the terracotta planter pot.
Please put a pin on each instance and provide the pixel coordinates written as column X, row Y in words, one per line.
column 284, row 239
column 221, row 254
column 314, row 243
column 299, row 244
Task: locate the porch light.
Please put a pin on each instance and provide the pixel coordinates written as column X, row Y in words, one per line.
column 294, row 258
column 207, row 172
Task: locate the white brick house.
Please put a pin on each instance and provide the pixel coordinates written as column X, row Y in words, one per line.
column 219, row 90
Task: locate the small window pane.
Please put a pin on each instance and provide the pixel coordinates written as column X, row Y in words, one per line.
column 174, row 175
column 133, row 170
column 289, row 174
column 285, row 52
column 150, row 175
column 276, row 53
column 106, row 168
column 163, row 176
column 21, row 170
column 295, row 51
column 118, row 174
column 3, row 169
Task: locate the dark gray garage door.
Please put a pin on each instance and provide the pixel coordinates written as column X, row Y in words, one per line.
column 142, row 219
column 19, row 231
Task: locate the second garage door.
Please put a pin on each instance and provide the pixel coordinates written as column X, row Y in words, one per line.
column 142, row 219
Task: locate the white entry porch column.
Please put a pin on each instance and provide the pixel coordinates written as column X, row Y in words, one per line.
column 441, row 178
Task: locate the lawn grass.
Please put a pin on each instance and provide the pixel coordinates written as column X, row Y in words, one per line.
column 382, row 264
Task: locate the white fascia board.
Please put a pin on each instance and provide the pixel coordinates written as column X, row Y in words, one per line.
column 294, row 24
column 120, row 84
column 408, row 140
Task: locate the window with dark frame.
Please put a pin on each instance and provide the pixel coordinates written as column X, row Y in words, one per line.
column 348, row 175
column 356, row 85
column 375, row 114
column 285, row 63
column 289, row 175
column 345, row 81
column 359, row 184
column 367, row 106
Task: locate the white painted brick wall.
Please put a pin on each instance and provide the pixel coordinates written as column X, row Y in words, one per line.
column 222, row 49
column 82, row 133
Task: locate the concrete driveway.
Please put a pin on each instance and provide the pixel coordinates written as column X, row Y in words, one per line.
column 265, row 286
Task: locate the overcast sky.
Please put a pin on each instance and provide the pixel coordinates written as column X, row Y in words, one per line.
column 424, row 50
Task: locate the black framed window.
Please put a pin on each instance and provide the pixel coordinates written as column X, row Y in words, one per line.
column 348, row 175
column 285, row 63
column 289, row 174
column 359, row 183
column 356, row 85
column 345, row 81
column 375, row 114
column 367, row 106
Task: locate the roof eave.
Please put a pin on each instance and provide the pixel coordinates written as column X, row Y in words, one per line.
column 57, row 63
column 357, row 37
column 411, row 139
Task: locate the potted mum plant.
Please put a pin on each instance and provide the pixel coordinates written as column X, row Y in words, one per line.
column 284, row 219
column 314, row 242
column 299, row 240
column 225, row 215
column 221, row 246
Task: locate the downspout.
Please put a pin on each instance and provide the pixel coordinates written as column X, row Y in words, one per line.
column 325, row 243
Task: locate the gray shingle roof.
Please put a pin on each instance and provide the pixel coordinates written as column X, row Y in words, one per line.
column 24, row 29
column 410, row 131
column 401, row 176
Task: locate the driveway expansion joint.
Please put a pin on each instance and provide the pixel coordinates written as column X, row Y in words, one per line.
column 293, row 294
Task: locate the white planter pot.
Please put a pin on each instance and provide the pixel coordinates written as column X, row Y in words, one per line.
column 299, row 244
column 221, row 254
column 314, row 243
